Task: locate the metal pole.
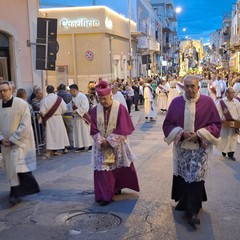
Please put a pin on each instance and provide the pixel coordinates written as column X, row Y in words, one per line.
column 74, row 58
column 110, row 55
column 46, row 48
column 161, row 52
column 129, row 37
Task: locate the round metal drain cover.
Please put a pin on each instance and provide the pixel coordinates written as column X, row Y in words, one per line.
column 93, row 221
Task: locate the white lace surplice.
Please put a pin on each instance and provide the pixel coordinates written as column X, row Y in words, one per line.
column 191, row 165
column 123, row 153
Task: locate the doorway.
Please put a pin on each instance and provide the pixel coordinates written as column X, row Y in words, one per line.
column 5, row 69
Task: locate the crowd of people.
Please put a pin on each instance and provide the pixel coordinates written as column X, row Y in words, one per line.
column 198, row 112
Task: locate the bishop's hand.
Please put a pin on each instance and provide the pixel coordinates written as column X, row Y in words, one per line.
column 105, row 144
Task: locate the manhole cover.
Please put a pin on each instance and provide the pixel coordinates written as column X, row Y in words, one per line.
column 94, row 221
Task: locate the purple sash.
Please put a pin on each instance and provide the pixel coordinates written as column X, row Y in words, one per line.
column 52, row 110
column 86, row 116
column 226, row 112
column 238, row 98
column 180, row 86
column 162, row 88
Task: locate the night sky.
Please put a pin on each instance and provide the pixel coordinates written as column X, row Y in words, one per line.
column 199, row 17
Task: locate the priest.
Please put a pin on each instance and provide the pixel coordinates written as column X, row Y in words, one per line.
column 193, row 125
column 81, row 120
column 229, row 111
column 111, row 155
column 17, row 144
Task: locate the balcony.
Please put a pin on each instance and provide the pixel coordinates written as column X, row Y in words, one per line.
column 154, row 46
column 173, row 29
column 143, row 43
column 167, row 47
column 171, row 16
column 235, row 41
column 166, row 29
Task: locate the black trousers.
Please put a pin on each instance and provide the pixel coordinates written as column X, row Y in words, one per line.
column 189, row 195
column 136, row 100
column 129, row 104
column 141, row 99
column 28, row 185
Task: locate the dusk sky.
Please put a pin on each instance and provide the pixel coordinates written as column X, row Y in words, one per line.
column 199, row 17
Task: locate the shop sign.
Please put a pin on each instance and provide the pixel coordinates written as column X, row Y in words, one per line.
column 80, row 23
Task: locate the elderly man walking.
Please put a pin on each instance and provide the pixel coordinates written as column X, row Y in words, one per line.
column 229, row 110
column 17, row 143
column 193, row 125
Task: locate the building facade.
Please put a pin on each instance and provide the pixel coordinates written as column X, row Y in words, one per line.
column 234, row 47
column 18, row 24
column 148, row 33
column 149, row 42
column 93, row 43
column 169, row 48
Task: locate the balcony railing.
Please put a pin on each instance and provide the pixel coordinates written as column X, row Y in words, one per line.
column 235, row 41
column 154, row 46
column 171, row 15
column 173, row 29
column 143, row 43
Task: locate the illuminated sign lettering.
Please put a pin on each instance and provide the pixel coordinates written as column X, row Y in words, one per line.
column 79, row 23
column 108, row 23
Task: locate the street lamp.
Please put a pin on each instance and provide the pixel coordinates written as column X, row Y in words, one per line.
column 130, row 40
column 178, row 9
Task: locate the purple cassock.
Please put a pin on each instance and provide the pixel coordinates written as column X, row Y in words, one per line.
column 110, row 179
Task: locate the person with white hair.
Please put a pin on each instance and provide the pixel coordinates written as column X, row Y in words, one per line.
column 193, row 129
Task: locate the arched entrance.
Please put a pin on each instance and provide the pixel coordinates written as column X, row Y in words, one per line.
column 5, row 69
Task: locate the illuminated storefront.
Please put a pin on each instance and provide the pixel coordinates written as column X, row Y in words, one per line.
column 93, row 43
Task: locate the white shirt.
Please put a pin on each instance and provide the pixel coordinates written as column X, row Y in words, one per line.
column 236, row 88
column 120, row 98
